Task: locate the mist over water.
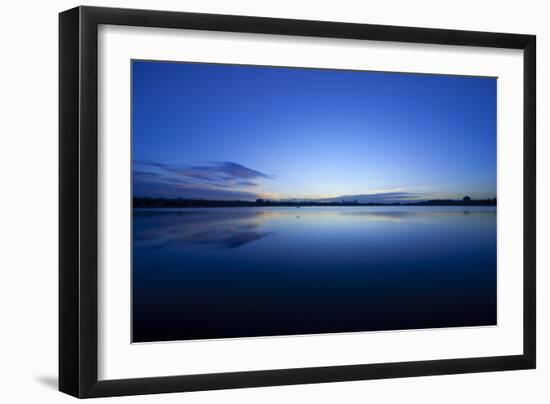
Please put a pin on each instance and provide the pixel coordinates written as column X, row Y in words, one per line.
column 243, row 272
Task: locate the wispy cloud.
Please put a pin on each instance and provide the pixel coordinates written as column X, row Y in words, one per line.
column 212, row 180
column 382, row 197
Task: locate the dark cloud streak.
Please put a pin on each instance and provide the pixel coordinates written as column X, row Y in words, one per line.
column 213, row 180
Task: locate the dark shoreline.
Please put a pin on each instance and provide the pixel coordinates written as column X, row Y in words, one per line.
column 144, row 203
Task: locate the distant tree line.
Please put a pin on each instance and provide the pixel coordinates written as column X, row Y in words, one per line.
column 147, row 202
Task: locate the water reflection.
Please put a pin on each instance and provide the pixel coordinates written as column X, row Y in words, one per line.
column 242, row 272
column 233, row 228
column 156, row 229
column 400, row 216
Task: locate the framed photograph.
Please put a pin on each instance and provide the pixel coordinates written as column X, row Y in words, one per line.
column 251, row 201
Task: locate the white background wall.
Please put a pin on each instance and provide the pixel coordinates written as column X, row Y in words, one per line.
column 28, row 199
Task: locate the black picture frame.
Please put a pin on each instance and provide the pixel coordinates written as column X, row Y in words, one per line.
column 78, row 201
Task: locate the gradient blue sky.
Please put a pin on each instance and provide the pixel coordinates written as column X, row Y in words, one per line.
column 243, row 132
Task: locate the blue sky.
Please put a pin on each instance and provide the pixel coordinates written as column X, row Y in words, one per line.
column 244, row 132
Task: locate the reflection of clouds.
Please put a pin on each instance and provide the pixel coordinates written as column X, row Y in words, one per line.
column 381, row 216
column 155, row 229
column 233, row 228
column 400, row 216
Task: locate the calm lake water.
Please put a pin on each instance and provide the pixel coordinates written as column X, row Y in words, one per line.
column 241, row 272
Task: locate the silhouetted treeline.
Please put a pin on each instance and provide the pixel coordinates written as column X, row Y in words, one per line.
column 145, row 202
